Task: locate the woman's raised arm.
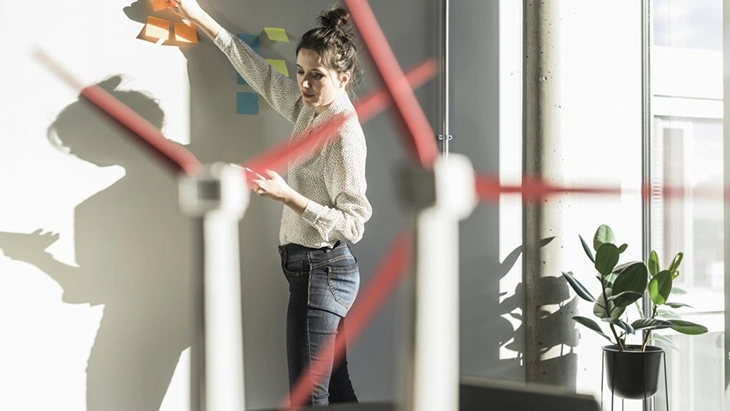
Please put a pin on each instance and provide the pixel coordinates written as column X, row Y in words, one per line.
column 191, row 10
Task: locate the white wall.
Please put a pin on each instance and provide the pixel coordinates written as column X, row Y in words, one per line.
column 99, row 212
column 47, row 341
column 111, row 291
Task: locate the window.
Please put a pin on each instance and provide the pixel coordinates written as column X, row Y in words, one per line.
column 687, row 152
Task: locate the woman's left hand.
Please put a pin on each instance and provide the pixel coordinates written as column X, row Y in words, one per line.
column 273, row 186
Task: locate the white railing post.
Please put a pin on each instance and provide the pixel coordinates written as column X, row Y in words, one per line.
column 440, row 199
column 217, row 198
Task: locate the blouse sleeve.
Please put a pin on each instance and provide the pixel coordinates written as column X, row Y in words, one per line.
column 344, row 176
column 281, row 92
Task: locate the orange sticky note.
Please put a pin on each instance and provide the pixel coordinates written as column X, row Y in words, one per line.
column 157, row 28
column 185, row 32
column 158, row 5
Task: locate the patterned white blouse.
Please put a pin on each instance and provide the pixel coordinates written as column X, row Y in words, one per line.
column 334, row 178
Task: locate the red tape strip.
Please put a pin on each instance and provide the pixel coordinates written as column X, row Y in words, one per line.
column 421, row 141
column 276, row 158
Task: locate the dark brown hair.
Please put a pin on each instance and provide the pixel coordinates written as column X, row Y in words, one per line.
column 334, row 42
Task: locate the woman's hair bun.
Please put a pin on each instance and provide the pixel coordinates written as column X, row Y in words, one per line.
column 335, row 19
column 335, row 42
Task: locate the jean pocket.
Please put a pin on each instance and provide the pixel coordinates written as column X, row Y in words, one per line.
column 344, row 284
column 338, row 260
column 295, row 267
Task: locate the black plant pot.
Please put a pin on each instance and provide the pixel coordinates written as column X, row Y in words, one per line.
column 632, row 374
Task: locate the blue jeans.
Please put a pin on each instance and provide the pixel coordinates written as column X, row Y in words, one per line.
column 323, row 284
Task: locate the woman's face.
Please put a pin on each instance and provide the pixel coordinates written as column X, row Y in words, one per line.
column 319, row 85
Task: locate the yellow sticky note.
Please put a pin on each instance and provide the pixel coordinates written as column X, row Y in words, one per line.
column 157, row 28
column 185, row 32
column 158, row 5
column 276, row 34
column 279, row 65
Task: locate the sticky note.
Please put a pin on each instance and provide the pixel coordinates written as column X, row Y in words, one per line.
column 143, row 36
column 276, row 34
column 279, row 65
column 247, row 103
column 157, row 28
column 185, row 32
column 253, row 41
column 158, row 5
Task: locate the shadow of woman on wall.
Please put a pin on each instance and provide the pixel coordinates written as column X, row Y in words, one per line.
column 132, row 251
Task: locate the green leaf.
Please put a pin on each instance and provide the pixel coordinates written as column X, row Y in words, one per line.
column 578, row 287
column 619, row 268
column 587, row 249
column 664, row 340
column 587, row 322
column 603, row 235
column 607, row 310
column 650, row 324
column 633, row 278
column 660, row 287
column 677, row 305
column 624, row 295
column 686, row 327
column 654, row 266
column 667, row 314
column 620, row 323
column 623, row 248
column 676, row 262
column 606, row 258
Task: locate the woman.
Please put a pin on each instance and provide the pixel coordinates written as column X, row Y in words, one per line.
column 324, row 197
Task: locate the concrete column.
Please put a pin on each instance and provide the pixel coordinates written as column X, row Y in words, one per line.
column 549, row 330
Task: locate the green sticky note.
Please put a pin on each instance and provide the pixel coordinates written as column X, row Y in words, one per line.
column 279, row 65
column 276, row 34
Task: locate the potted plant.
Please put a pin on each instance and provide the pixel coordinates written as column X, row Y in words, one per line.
column 632, row 370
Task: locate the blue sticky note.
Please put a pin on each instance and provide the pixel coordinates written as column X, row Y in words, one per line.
column 247, row 103
column 254, row 41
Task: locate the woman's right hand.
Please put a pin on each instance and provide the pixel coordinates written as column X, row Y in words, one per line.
column 188, row 9
column 191, row 10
